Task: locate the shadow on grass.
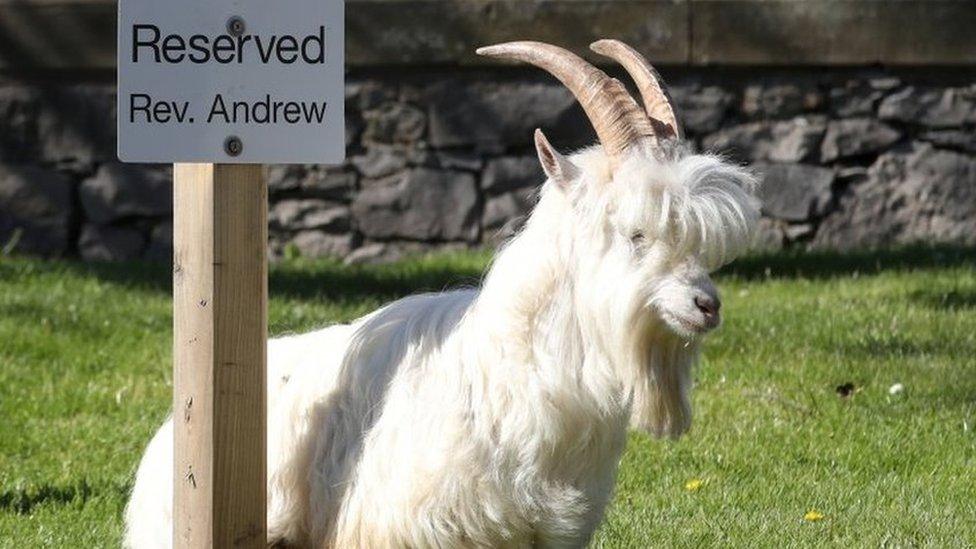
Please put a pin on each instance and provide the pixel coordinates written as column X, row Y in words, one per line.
column 329, row 280
column 823, row 264
column 900, row 347
column 23, row 500
column 953, row 300
column 305, row 279
column 299, row 279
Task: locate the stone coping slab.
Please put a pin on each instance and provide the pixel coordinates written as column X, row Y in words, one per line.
column 80, row 34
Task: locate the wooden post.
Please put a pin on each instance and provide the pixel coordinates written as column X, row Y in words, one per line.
column 219, row 355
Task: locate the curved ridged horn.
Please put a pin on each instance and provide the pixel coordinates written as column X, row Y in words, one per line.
column 616, row 117
column 657, row 103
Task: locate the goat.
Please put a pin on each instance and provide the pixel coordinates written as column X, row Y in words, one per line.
column 497, row 417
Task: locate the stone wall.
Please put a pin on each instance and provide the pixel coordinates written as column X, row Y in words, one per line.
column 443, row 158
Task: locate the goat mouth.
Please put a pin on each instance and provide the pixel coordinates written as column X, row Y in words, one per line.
column 689, row 327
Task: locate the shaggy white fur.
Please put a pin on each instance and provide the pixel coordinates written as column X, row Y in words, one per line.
column 496, row 418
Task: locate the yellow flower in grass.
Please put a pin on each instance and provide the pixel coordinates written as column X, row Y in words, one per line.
column 813, row 516
column 694, row 484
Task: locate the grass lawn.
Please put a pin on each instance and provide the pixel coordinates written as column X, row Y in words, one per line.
column 85, row 379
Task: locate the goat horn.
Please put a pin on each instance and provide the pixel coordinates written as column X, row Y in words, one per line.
column 615, row 116
column 657, row 103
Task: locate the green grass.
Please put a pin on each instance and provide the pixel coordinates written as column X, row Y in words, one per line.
column 85, row 371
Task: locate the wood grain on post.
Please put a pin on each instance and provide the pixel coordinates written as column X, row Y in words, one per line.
column 219, row 354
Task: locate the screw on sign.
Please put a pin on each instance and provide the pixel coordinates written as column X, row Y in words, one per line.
column 233, row 145
column 235, row 26
column 197, row 80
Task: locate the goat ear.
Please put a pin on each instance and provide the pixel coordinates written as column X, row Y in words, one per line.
column 556, row 166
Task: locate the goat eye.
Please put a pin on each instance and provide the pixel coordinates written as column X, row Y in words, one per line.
column 637, row 237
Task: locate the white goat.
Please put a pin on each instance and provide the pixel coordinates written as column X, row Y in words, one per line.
column 496, row 417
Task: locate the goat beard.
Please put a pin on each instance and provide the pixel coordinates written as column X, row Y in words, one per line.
column 652, row 363
column 660, row 370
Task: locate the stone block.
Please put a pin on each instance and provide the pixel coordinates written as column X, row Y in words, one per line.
column 701, row 109
column 492, row 116
column 329, row 183
column 36, row 208
column 510, row 173
column 506, row 214
column 785, row 141
column 283, row 178
column 118, row 191
column 394, row 123
column 797, row 140
column 369, row 254
column 69, row 126
column 855, row 137
column 921, row 195
column 855, row 99
column 76, row 125
column 962, row 140
column 778, row 101
column 160, row 248
column 459, row 160
column 314, row 243
column 769, row 236
column 937, row 108
column 380, row 161
column 309, row 213
column 373, row 253
column 18, row 117
column 419, row 204
column 795, row 192
column 107, row 243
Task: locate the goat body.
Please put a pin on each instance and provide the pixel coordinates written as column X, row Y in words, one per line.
column 496, row 417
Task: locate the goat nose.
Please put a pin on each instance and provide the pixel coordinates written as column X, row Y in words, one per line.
column 707, row 304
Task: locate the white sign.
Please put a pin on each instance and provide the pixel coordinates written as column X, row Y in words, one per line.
column 234, row 81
